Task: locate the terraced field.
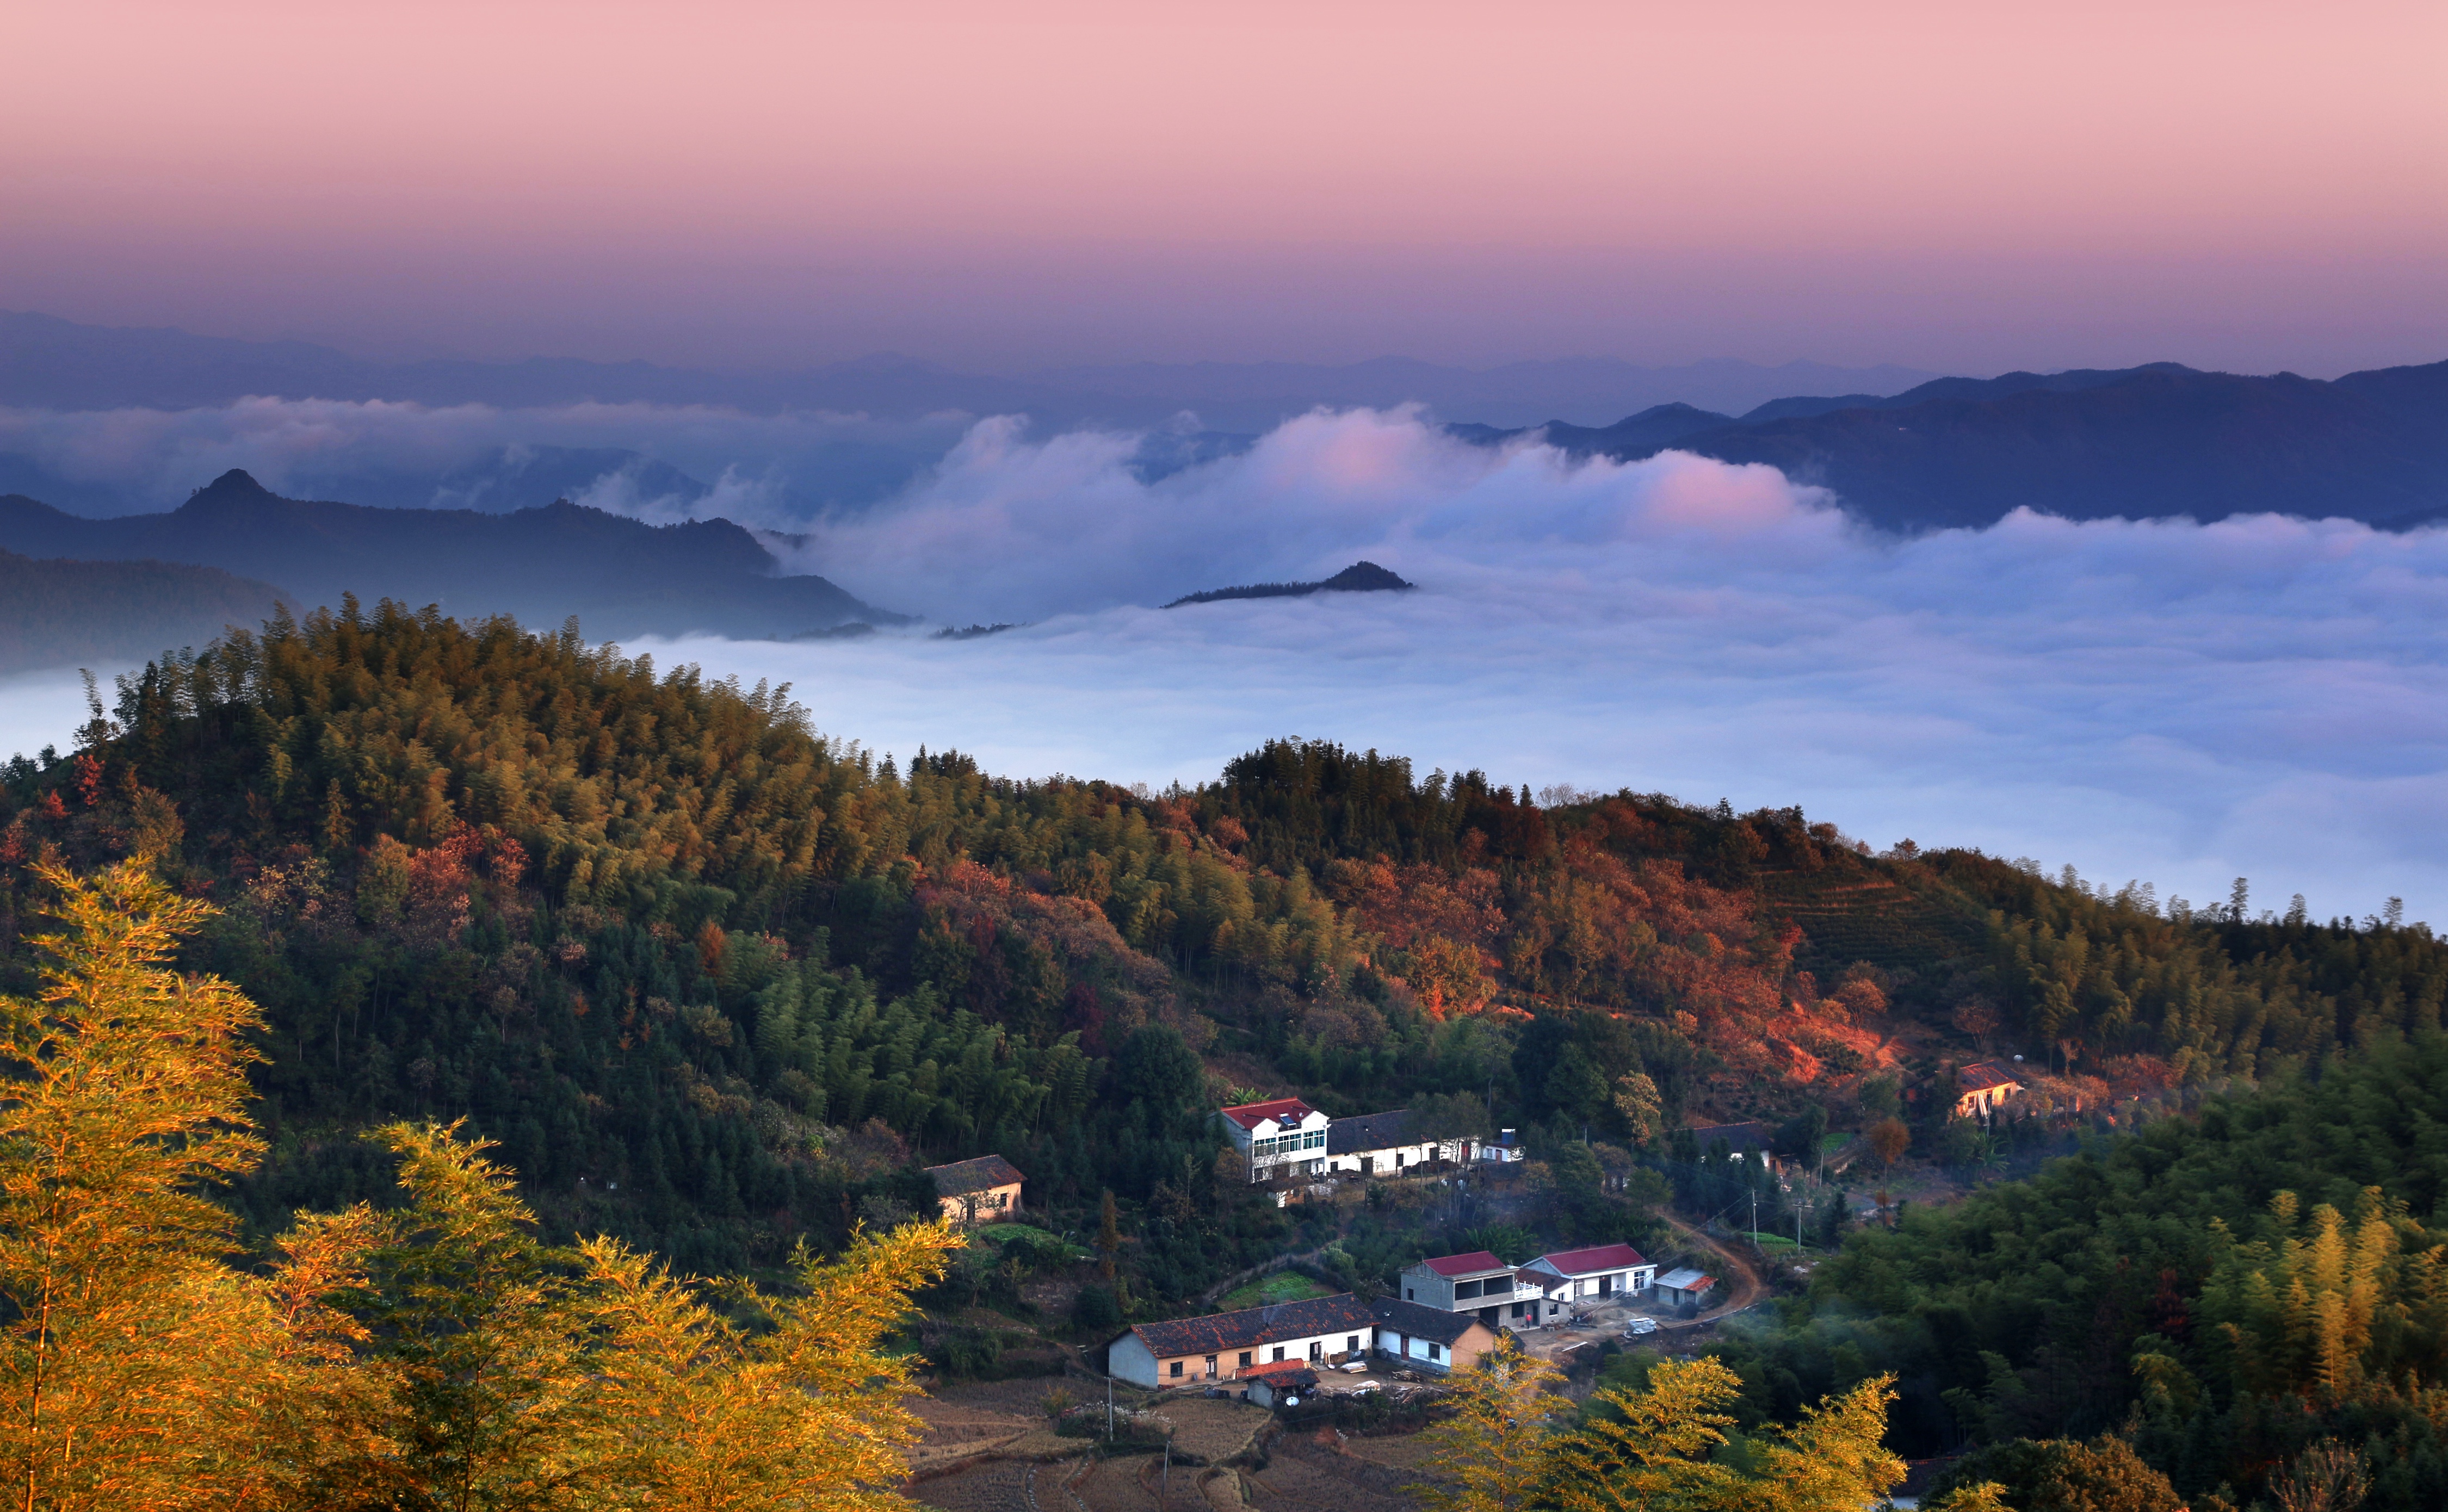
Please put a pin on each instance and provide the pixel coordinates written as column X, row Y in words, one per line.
column 1872, row 919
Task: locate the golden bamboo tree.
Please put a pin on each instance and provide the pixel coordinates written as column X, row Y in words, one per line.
column 1649, row 1450
column 1834, row 1460
column 134, row 1357
column 799, row 1409
column 1485, row 1452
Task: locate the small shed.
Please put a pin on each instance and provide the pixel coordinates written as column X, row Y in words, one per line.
column 1281, row 1385
column 1687, row 1285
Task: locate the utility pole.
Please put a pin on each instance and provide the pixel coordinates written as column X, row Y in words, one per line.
column 1164, row 1484
column 1109, row 1406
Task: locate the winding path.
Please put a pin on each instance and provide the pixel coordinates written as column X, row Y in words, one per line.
column 1747, row 1287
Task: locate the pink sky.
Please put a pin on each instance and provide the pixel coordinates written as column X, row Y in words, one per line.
column 1963, row 187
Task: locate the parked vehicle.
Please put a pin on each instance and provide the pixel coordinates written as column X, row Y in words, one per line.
column 1638, row 1326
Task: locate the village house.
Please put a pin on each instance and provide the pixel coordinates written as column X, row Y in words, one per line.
column 1982, row 1087
column 1477, row 1283
column 1605, row 1272
column 1504, row 1150
column 988, row 1187
column 1676, row 1288
column 1429, row 1338
column 1220, row 1346
column 1747, row 1140
column 1384, row 1144
column 1280, row 1137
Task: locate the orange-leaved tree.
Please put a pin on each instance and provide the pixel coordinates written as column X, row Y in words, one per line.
column 773, row 1402
column 437, row 1356
column 1482, row 1452
column 136, row 1364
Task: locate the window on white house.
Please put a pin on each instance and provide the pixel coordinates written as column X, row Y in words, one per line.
column 1436, row 1352
column 1279, row 1351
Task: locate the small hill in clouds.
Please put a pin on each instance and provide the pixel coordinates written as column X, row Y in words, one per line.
column 2142, row 443
column 1361, row 577
column 58, row 613
column 620, row 577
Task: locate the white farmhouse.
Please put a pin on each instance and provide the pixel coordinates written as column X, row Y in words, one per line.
column 1280, row 1137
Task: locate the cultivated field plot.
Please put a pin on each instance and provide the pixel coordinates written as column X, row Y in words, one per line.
column 1304, row 1475
column 1211, row 1429
column 956, row 1429
column 984, row 1486
column 1396, row 1451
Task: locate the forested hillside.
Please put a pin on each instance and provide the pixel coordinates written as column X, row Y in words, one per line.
column 719, row 983
column 666, row 941
column 57, row 613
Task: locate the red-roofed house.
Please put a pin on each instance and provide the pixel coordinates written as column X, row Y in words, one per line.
column 1478, row 1283
column 1600, row 1271
column 1281, row 1136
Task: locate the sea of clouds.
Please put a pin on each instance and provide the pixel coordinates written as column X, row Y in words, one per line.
column 2157, row 700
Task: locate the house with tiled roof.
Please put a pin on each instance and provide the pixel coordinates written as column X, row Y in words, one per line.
column 1384, row 1144
column 1429, row 1338
column 1984, row 1086
column 1747, row 1140
column 1602, row 1272
column 1477, row 1283
column 1280, row 1137
column 1219, row 1347
column 988, row 1187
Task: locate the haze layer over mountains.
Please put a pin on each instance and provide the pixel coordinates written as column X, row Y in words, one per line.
column 100, row 422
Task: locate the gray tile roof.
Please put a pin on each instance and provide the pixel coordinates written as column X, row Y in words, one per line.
column 1217, row 1333
column 984, row 1173
column 1421, row 1322
column 1369, row 1131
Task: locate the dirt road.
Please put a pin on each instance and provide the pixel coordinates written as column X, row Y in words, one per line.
column 1738, row 1273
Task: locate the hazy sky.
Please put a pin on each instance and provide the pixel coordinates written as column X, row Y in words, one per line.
column 1955, row 187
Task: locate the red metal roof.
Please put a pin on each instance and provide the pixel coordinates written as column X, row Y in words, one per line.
column 1595, row 1259
column 1470, row 1264
column 1983, row 1075
column 1283, row 1110
column 1276, row 1368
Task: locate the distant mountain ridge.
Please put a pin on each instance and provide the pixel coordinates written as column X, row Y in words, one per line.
column 2148, row 442
column 50, row 363
column 622, row 578
column 1361, row 577
column 58, row 613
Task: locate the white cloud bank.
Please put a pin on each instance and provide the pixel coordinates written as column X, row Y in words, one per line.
column 2158, row 700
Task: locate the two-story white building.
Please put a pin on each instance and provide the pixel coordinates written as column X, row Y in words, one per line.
column 1281, row 1138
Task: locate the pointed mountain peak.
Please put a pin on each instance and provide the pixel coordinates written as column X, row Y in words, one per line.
column 235, row 484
